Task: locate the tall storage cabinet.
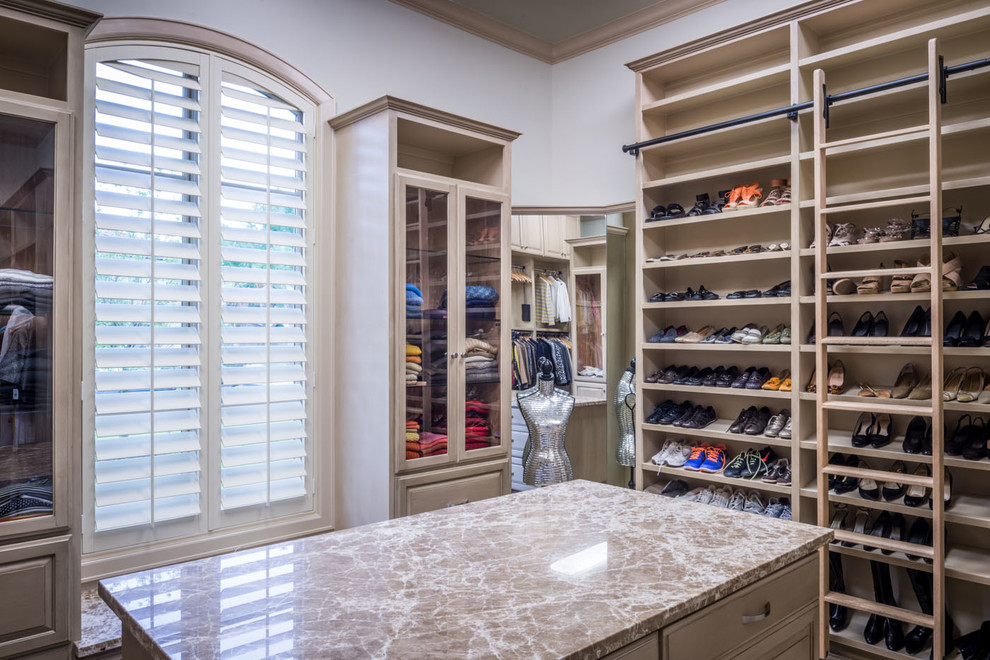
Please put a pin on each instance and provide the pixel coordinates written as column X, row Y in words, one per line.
column 423, row 349
column 41, row 54
column 888, row 154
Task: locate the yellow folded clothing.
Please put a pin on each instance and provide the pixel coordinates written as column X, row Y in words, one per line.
column 413, row 350
column 412, row 437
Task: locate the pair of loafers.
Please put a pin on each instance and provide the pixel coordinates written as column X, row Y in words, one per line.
column 751, row 379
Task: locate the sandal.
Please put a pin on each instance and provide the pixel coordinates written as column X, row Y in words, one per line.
column 897, row 230
column 900, row 283
column 843, row 234
column 776, row 193
column 658, row 213
column 732, row 199
column 868, row 390
column 871, row 284
column 951, row 269
column 674, row 211
column 922, row 282
column 751, row 197
column 871, row 235
column 829, row 230
column 983, row 227
column 700, row 205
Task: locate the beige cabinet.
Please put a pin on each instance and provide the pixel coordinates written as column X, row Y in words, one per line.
column 423, row 330
column 41, row 99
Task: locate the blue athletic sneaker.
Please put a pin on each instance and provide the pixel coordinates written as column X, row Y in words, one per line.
column 697, row 457
column 714, row 459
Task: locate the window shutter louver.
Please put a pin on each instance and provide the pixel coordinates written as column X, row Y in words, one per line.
column 147, row 307
column 263, row 204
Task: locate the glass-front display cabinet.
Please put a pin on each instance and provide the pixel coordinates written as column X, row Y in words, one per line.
column 588, row 326
column 453, row 370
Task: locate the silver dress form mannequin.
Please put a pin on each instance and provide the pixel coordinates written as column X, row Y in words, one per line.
column 625, row 402
column 546, row 412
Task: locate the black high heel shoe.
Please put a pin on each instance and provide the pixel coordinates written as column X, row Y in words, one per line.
column 920, row 534
column 868, row 488
column 896, row 532
column 954, row 330
column 960, row 438
column 881, row 326
column 880, row 432
column 914, row 436
column 864, row 430
column 864, row 326
column 880, row 528
column 893, row 490
column 918, row 495
column 914, row 323
column 972, row 333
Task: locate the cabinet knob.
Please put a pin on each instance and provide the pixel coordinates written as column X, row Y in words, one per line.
column 454, row 356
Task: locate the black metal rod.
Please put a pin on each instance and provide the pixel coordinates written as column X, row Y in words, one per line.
column 792, row 110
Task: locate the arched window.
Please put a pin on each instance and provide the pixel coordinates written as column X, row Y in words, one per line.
column 202, row 293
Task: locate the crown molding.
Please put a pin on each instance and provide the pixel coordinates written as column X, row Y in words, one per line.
column 55, row 11
column 160, row 29
column 423, row 112
column 733, row 34
column 623, row 207
column 515, row 39
column 482, row 26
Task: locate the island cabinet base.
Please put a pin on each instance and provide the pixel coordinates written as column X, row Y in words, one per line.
column 773, row 618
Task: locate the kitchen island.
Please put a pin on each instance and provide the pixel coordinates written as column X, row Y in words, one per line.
column 575, row 570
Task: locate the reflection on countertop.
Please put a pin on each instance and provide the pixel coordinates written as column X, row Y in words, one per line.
column 576, row 568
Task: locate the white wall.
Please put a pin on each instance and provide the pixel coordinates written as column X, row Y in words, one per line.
column 594, row 105
column 574, row 116
column 358, row 50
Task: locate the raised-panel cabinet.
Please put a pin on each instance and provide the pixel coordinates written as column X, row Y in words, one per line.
column 424, row 351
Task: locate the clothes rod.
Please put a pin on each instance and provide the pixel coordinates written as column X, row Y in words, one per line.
column 792, row 110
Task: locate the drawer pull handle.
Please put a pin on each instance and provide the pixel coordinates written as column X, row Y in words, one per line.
column 450, row 504
column 753, row 618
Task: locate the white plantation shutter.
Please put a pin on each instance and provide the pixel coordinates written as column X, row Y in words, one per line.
column 200, row 298
column 147, row 294
column 263, row 406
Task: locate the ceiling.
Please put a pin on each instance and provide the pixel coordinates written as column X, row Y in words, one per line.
column 555, row 30
column 555, row 20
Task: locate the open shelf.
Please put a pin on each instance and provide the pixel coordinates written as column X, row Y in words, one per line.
column 718, row 172
column 714, row 93
column 732, row 348
column 728, row 259
column 651, row 225
column 717, row 430
column 852, row 637
column 916, row 135
column 721, row 302
column 882, row 298
column 841, row 441
column 717, row 478
column 691, row 389
column 969, row 240
column 905, row 191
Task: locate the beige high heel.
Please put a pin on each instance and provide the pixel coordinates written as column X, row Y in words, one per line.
column 950, row 389
column 837, row 378
column 922, row 390
column 972, row 385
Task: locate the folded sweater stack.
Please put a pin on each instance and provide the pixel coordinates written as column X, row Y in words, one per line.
column 414, row 363
column 414, row 300
column 480, row 361
column 429, row 444
column 477, row 427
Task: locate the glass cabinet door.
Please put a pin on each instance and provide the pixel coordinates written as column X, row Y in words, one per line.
column 27, row 240
column 482, row 405
column 588, row 354
column 426, row 215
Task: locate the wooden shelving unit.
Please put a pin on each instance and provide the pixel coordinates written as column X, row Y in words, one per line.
column 883, row 155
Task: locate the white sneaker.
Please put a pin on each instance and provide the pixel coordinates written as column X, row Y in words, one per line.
column 721, row 498
column 706, row 496
column 738, row 501
column 754, row 504
column 680, row 453
column 691, row 495
column 659, row 457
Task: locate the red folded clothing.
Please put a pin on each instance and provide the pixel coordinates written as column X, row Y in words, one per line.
column 413, row 454
column 476, row 406
column 439, row 451
column 477, row 445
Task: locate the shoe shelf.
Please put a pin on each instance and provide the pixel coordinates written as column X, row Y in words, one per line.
column 969, row 240
column 840, row 441
column 732, row 348
column 880, row 298
column 782, row 209
column 878, row 167
column 742, row 171
column 717, row 478
column 721, row 302
column 728, row 259
column 718, row 430
column 851, row 638
column 905, row 192
column 729, row 391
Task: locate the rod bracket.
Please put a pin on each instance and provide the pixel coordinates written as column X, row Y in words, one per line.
column 631, row 149
column 828, row 102
column 943, row 75
column 792, row 115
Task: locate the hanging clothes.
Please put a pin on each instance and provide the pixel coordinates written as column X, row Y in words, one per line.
column 562, row 300
column 546, row 310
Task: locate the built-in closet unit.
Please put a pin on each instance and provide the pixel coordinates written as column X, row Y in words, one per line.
column 861, row 160
column 41, row 100
column 422, row 221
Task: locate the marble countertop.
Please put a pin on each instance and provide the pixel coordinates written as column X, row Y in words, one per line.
column 573, row 570
column 581, row 401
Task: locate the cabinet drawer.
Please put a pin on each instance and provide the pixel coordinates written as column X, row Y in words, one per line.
column 742, row 616
column 644, row 648
column 428, row 492
column 38, row 572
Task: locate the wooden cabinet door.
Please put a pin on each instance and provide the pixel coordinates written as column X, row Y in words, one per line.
column 515, row 230
column 531, row 229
